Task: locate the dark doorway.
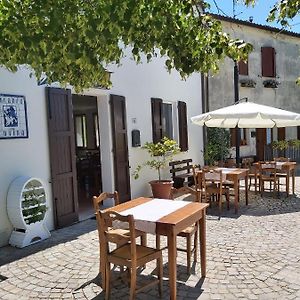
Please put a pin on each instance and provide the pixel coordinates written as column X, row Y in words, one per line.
column 120, row 147
column 88, row 162
column 264, row 136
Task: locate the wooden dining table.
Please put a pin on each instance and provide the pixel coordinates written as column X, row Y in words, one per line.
column 170, row 225
column 234, row 175
column 288, row 167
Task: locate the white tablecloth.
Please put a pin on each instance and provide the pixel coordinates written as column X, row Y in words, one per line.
column 148, row 213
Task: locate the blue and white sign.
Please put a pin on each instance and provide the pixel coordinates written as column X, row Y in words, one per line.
column 13, row 117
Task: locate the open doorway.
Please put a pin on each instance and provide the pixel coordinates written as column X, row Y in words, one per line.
column 88, row 162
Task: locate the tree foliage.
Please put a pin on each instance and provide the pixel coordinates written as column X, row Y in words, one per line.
column 218, row 144
column 74, row 41
column 282, row 11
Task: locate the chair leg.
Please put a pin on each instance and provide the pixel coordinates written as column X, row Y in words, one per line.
column 227, row 199
column 132, row 283
column 107, row 281
column 188, row 253
column 102, row 269
column 220, row 206
column 144, row 243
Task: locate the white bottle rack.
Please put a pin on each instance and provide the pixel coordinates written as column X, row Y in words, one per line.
column 28, row 229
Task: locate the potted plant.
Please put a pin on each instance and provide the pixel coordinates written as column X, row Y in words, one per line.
column 271, row 83
column 247, row 82
column 160, row 154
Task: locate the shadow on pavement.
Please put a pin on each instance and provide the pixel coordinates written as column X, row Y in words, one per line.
column 9, row 254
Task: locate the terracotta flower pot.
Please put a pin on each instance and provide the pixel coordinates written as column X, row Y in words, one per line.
column 161, row 188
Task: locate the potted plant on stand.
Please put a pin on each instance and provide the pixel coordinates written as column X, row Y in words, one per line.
column 160, row 154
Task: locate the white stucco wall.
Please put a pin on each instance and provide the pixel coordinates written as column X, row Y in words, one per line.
column 28, row 156
column 138, row 83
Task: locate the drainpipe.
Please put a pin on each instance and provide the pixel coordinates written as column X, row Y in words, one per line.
column 236, row 99
column 205, row 104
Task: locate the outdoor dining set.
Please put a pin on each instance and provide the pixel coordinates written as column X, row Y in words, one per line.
column 120, row 226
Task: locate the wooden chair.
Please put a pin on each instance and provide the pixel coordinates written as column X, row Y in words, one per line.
column 188, row 232
column 212, row 181
column 281, row 174
column 98, row 201
column 268, row 173
column 252, row 174
column 129, row 254
column 230, row 163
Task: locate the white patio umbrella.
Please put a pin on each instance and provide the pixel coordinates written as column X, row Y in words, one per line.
column 248, row 115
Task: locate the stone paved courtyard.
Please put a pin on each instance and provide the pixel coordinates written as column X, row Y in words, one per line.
column 252, row 255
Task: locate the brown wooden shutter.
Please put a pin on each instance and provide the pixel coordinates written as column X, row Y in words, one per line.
column 157, row 129
column 62, row 156
column 243, row 67
column 120, row 146
column 268, row 62
column 232, row 137
column 298, row 132
column 281, row 134
column 182, row 122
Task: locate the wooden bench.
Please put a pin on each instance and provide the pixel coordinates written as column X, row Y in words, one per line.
column 182, row 170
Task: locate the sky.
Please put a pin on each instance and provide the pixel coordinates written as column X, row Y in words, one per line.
column 259, row 12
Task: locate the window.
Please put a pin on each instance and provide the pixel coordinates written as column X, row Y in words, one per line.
column 163, row 121
column 167, row 120
column 243, row 132
column 269, row 136
column 243, row 67
column 268, row 67
column 80, row 129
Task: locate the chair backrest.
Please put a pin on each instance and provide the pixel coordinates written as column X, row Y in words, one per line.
column 267, row 168
column 281, row 159
column 230, row 163
column 109, row 225
column 247, row 163
column 210, row 176
column 97, row 201
column 186, row 190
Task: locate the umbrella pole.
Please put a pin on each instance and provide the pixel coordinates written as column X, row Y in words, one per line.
column 236, row 99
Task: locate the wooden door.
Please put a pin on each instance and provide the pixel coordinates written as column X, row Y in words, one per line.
column 62, row 156
column 120, row 147
column 261, row 141
column 281, row 134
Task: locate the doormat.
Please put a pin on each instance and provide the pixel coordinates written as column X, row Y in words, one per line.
column 2, row 278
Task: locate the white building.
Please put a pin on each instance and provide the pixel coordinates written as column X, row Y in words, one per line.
column 268, row 77
column 102, row 160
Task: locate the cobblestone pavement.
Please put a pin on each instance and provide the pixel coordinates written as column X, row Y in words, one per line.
column 252, row 255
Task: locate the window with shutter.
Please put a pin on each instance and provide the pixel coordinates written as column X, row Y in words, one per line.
column 243, row 67
column 182, row 123
column 268, row 62
column 157, row 129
